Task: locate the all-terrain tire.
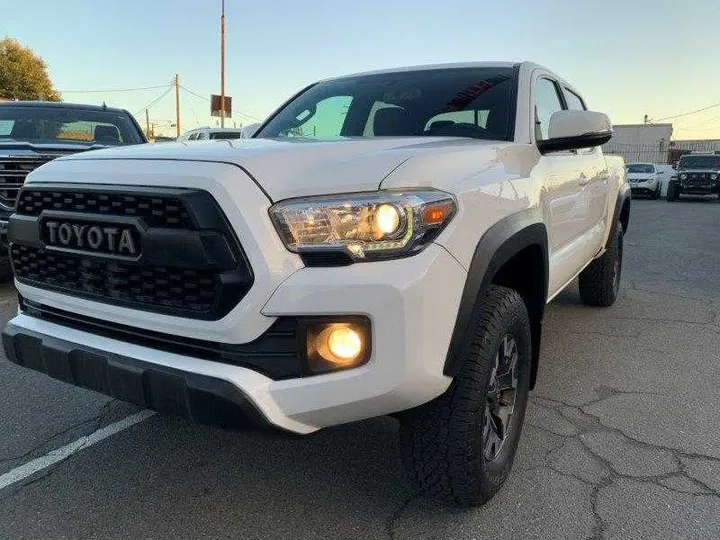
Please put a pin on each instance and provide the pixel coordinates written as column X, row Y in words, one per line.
column 444, row 443
column 600, row 281
column 672, row 192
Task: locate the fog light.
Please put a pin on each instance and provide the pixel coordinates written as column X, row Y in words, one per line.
column 333, row 345
column 344, row 343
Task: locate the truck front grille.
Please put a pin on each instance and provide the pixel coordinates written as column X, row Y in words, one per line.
column 187, row 261
column 13, row 170
column 129, row 284
column 155, row 211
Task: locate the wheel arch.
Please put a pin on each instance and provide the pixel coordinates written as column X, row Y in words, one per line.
column 621, row 213
column 512, row 253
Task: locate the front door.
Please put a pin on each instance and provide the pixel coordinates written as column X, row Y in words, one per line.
column 566, row 203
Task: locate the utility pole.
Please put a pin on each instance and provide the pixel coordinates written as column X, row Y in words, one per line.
column 177, row 104
column 147, row 123
column 222, row 66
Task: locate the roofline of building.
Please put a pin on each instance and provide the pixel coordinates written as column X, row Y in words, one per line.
column 642, row 125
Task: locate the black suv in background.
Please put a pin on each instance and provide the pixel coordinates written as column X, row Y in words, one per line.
column 35, row 132
column 697, row 174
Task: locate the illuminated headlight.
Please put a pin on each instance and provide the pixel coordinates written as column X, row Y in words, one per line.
column 713, row 176
column 683, row 176
column 366, row 226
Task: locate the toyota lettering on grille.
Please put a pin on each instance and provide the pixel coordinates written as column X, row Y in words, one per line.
column 84, row 236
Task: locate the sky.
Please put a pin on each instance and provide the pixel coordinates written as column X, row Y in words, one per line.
column 628, row 58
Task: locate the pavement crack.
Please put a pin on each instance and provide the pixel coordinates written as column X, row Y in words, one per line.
column 390, row 525
column 592, row 423
column 96, row 421
column 634, row 286
column 631, row 335
column 711, row 322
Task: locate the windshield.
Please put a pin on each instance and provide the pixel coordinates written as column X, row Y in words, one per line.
column 700, row 162
column 66, row 125
column 461, row 102
column 225, row 135
column 640, row 168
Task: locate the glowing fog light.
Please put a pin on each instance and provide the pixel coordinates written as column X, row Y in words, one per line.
column 336, row 344
column 344, row 343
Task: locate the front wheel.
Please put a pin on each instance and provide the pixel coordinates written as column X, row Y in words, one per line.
column 461, row 445
column 672, row 192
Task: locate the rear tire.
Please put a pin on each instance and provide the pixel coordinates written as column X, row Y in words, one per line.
column 461, row 446
column 600, row 281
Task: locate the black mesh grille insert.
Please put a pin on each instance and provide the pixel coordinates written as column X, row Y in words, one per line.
column 186, row 259
column 164, row 286
column 156, row 211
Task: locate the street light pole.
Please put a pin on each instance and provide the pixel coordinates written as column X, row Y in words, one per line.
column 222, row 66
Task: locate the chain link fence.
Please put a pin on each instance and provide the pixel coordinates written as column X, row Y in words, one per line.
column 663, row 153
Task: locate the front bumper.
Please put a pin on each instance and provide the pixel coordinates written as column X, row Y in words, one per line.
column 698, row 189
column 198, row 398
column 412, row 305
column 644, row 188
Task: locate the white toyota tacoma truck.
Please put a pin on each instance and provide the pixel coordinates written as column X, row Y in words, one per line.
column 385, row 244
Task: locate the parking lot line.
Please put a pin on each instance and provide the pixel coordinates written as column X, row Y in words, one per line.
column 54, row 456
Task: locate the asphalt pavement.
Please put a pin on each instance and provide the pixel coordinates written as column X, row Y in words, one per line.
column 621, row 440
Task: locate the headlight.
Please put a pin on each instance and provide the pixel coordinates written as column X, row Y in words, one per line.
column 365, row 226
column 713, row 176
column 683, row 176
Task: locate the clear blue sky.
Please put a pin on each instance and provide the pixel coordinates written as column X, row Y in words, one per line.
column 628, row 57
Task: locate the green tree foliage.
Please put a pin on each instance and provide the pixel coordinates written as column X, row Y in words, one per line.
column 23, row 74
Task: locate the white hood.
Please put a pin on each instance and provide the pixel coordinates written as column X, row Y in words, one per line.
column 300, row 167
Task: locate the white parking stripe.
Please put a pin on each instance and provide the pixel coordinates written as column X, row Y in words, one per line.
column 31, row 467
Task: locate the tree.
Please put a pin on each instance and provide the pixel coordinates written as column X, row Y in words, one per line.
column 23, row 74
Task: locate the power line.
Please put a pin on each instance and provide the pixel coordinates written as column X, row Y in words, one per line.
column 208, row 99
column 701, row 124
column 687, row 113
column 112, row 91
column 153, row 102
column 194, row 93
column 715, row 128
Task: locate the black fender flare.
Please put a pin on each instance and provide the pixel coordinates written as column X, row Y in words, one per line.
column 623, row 200
column 497, row 246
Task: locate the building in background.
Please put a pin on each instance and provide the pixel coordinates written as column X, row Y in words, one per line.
column 641, row 142
column 652, row 143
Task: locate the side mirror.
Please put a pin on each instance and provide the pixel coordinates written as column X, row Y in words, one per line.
column 570, row 130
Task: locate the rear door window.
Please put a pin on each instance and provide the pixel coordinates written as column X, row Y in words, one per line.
column 574, row 102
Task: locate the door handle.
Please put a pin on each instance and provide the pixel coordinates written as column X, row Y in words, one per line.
column 583, row 180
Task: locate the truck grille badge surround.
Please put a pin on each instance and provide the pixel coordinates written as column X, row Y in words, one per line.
column 162, row 250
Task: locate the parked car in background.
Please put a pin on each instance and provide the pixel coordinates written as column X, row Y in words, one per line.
column 666, row 173
column 697, row 174
column 35, row 132
column 644, row 179
column 209, row 133
column 397, row 261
